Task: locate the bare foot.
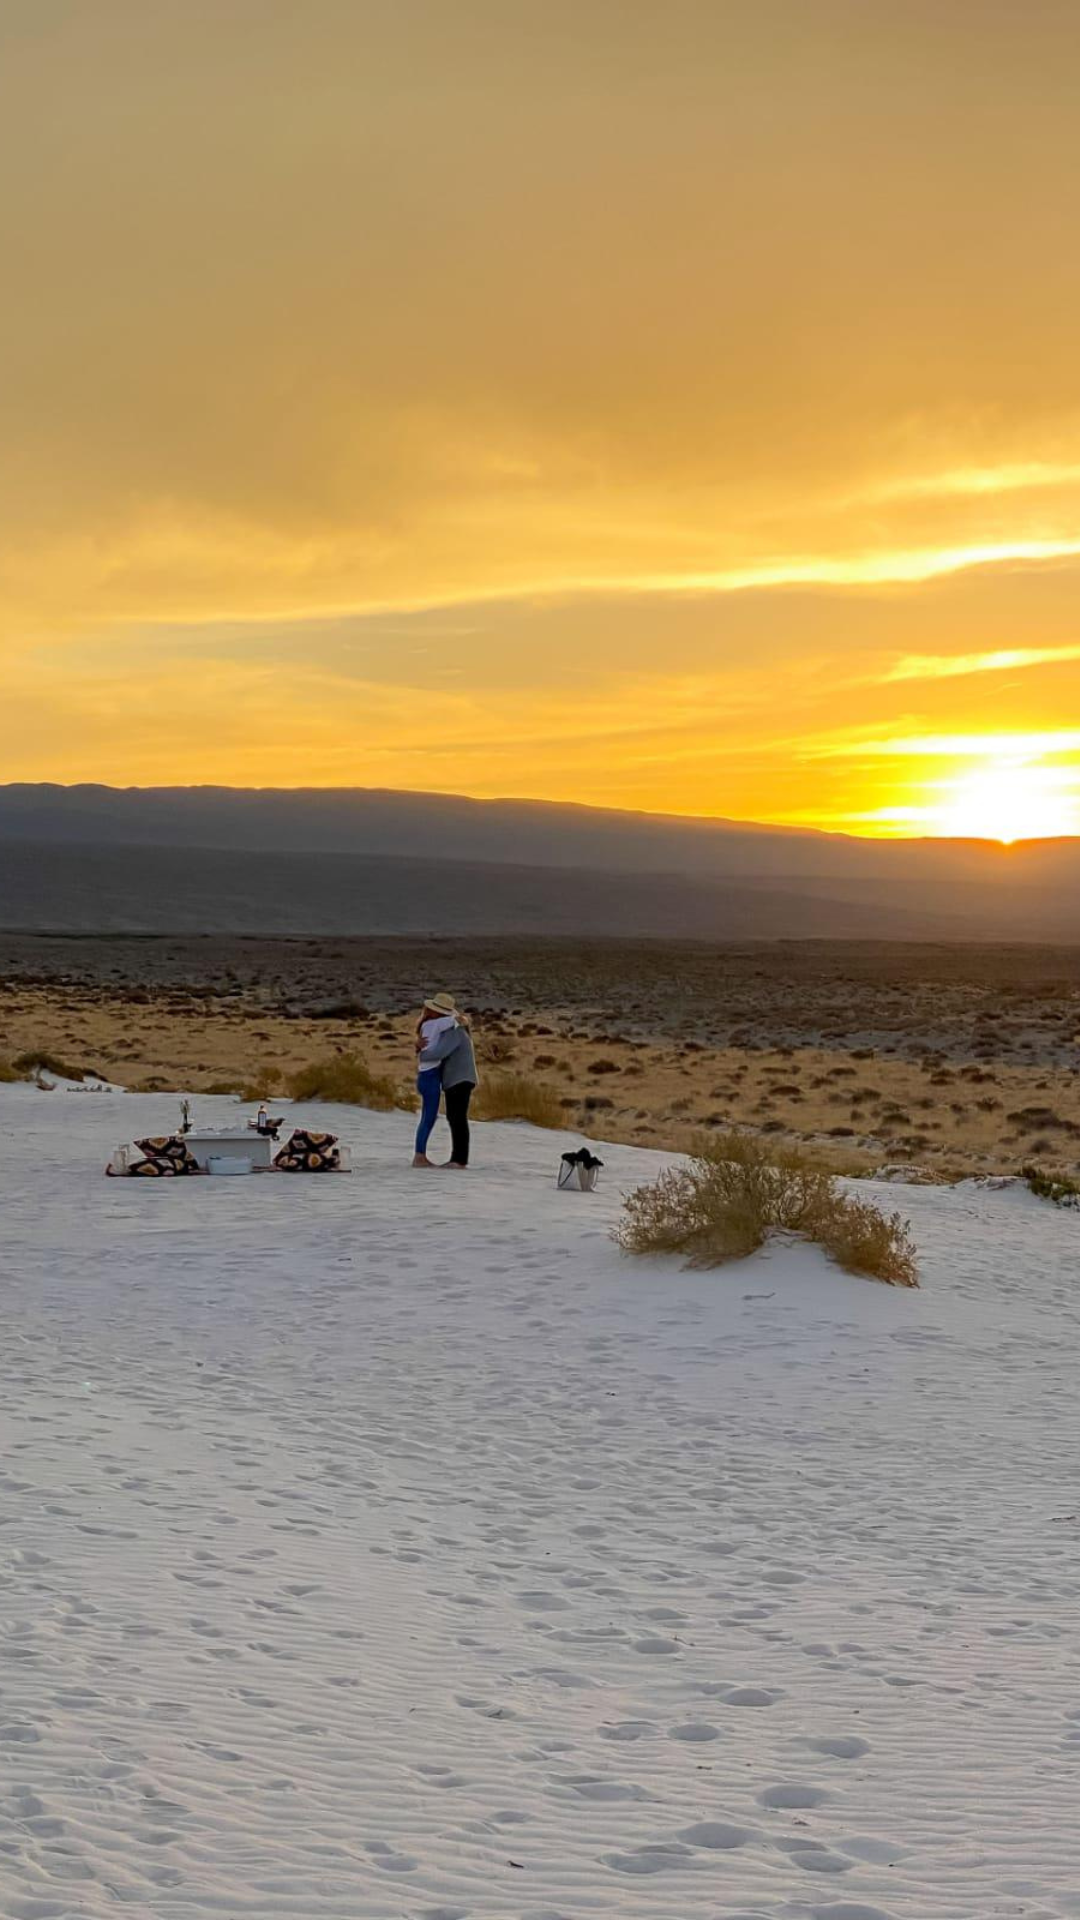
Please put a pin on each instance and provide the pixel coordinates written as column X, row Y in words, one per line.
column 421, row 1160
column 454, row 1166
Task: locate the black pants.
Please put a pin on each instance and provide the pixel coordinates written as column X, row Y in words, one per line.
column 457, row 1114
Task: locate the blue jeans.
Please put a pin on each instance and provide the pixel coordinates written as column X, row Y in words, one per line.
column 429, row 1087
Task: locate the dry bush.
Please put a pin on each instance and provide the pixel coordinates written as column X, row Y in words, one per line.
column 514, row 1096
column 496, row 1049
column 8, row 1073
column 27, row 1066
column 263, row 1084
column 345, row 1079
column 736, row 1191
column 1056, row 1187
column 862, row 1239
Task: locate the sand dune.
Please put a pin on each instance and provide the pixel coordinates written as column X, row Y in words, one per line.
column 390, row 1546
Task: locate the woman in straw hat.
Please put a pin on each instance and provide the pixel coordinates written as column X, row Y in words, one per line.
column 446, row 1066
column 437, row 1016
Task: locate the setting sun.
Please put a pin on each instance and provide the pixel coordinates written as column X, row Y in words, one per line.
column 1007, row 802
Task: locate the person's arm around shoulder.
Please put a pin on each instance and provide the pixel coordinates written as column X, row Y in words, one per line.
column 441, row 1048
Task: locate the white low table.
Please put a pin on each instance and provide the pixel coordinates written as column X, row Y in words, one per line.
column 230, row 1143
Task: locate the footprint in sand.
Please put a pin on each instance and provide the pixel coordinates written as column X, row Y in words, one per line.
column 716, row 1835
column 644, row 1860
column 817, row 1859
column 839, row 1746
column 385, row 1856
column 847, row 1910
column 591, row 1787
column 793, row 1795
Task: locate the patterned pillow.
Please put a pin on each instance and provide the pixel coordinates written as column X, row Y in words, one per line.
column 308, row 1152
column 161, row 1167
column 165, row 1154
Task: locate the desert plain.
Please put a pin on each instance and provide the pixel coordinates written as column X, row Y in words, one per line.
column 946, row 1058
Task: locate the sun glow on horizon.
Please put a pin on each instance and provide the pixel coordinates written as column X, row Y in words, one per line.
column 1006, row 800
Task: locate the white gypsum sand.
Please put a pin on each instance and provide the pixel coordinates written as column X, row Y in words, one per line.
column 392, row 1547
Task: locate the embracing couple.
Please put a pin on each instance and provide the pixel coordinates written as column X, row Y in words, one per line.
column 445, row 1068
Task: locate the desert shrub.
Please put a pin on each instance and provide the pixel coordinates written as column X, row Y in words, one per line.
column 262, row 1085
column 28, row 1065
column 515, row 1096
column 8, row 1073
column 344, row 1078
column 497, row 1049
column 1057, row 1187
column 735, row 1191
column 862, row 1239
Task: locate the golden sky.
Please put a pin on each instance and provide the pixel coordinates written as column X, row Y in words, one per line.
column 669, row 405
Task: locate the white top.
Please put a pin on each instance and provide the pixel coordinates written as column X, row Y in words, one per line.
column 430, row 1031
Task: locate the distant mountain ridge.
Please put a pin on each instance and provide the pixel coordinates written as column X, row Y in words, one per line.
column 373, row 820
column 315, row 861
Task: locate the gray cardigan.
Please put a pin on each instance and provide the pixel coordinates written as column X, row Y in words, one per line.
column 453, row 1052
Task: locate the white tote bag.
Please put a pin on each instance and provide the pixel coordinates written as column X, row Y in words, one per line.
column 580, row 1171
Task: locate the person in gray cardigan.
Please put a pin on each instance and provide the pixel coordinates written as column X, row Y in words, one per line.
column 454, row 1052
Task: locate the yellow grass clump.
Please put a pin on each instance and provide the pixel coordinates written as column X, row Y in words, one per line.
column 736, row 1191
column 262, row 1085
column 345, row 1078
column 8, row 1073
column 516, row 1096
column 27, row 1066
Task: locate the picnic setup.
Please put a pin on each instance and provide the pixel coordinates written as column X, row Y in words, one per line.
column 254, row 1145
column 251, row 1147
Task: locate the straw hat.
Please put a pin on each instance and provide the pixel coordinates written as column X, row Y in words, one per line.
column 441, row 1003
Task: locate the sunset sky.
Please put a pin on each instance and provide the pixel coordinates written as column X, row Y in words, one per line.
column 657, row 403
